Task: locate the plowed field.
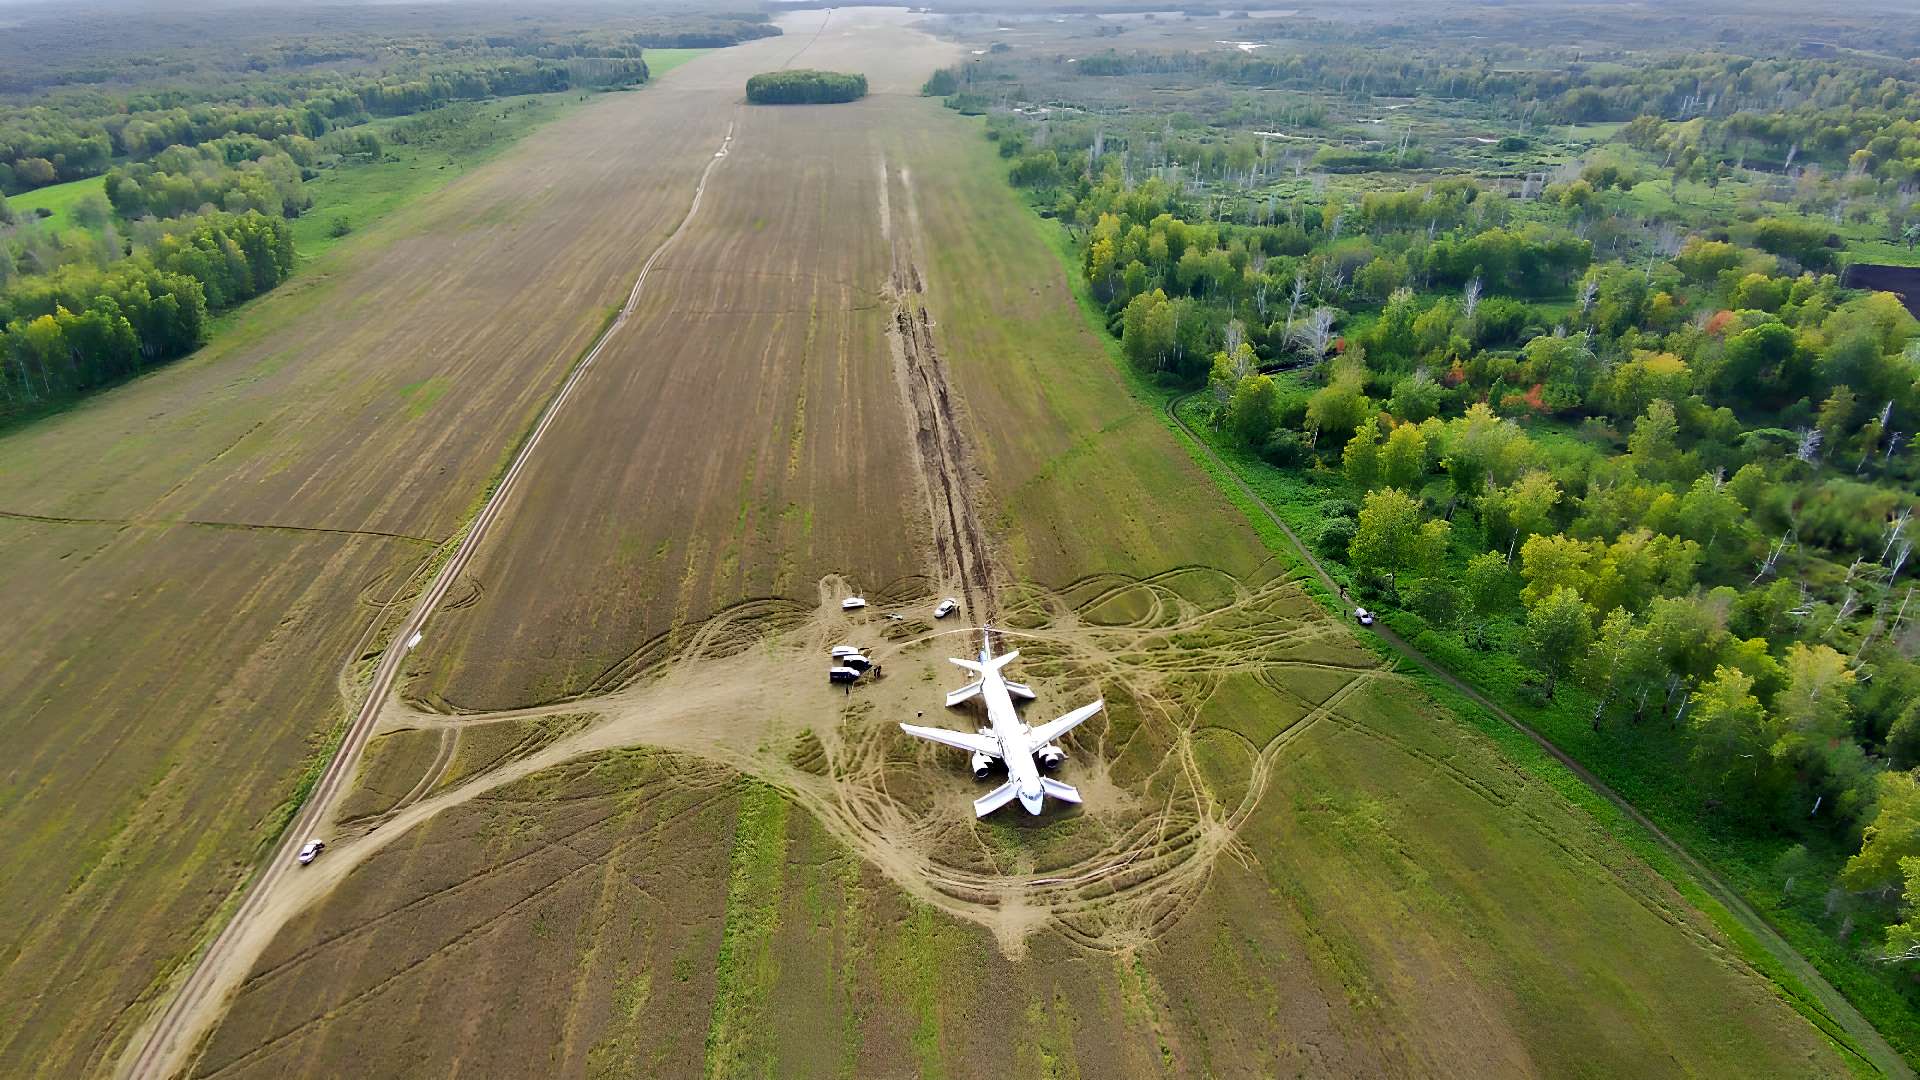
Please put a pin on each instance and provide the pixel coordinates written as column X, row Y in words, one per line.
column 617, row 823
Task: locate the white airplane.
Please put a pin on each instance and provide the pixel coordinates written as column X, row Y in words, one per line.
column 1025, row 750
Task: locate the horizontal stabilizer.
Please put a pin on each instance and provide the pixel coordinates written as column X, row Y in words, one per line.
column 995, row 799
column 1020, row 690
column 980, row 668
column 1053, row 729
column 963, row 740
column 1056, row 789
column 965, row 693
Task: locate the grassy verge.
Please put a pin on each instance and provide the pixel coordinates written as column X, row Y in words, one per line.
column 1643, row 771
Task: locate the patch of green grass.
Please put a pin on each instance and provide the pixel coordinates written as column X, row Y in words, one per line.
column 360, row 194
column 59, row 198
column 661, row 61
column 744, row 968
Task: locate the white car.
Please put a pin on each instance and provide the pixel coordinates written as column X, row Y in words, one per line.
column 946, row 608
column 853, row 603
column 1365, row 616
column 312, row 851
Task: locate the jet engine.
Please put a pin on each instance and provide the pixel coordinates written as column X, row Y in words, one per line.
column 1049, row 757
column 982, row 766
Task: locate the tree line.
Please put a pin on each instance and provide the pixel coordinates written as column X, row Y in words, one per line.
column 83, row 137
column 81, row 327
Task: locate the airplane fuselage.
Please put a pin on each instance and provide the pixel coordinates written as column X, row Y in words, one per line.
column 1015, row 738
column 1006, row 737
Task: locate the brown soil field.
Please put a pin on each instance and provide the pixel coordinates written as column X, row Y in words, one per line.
column 205, row 548
column 1289, row 861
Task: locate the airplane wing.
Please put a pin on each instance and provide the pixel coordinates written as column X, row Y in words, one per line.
column 1053, row 729
column 995, row 799
column 964, row 740
column 1058, row 790
column 965, row 693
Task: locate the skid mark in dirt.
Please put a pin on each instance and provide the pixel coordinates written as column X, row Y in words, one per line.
column 963, row 551
column 748, row 691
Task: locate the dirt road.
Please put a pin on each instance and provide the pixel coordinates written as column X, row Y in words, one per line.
column 195, row 1007
column 1839, row 1014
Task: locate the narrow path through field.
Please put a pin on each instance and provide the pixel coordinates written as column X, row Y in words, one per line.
column 1834, row 1005
column 192, row 1011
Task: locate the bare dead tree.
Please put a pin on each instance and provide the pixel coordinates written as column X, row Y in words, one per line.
column 1772, row 560
column 1293, row 301
column 1808, row 449
column 1314, row 336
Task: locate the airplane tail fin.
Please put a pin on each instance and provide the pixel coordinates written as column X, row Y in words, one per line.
column 999, row 797
column 1056, row 789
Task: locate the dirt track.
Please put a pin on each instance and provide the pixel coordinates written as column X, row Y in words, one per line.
column 962, row 548
column 194, row 1008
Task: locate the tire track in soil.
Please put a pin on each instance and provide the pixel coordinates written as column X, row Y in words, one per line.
column 944, row 457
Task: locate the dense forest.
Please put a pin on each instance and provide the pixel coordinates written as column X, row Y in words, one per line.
column 803, row 87
column 1605, row 434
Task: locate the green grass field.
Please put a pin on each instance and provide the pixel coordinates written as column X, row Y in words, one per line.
column 59, row 198
column 661, row 61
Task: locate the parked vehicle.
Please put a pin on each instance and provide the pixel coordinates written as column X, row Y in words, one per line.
column 946, row 608
column 843, row 674
column 1365, row 616
column 853, row 603
column 312, row 851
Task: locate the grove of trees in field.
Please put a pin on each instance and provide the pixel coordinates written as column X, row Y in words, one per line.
column 81, row 327
column 805, row 87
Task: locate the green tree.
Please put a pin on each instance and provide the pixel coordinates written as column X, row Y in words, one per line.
column 1391, row 538
column 1521, row 509
column 1814, row 710
column 1480, row 447
column 1416, row 397
column 1361, row 458
column 1147, row 330
column 1729, row 736
column 1553, row 562
column 1559, row 628
column 1655, row 442
column 1403, row 461
column 1338, row 409
column 1621, row 662
column 1252, row 410
column 1487, row 586
column 1891, row 836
